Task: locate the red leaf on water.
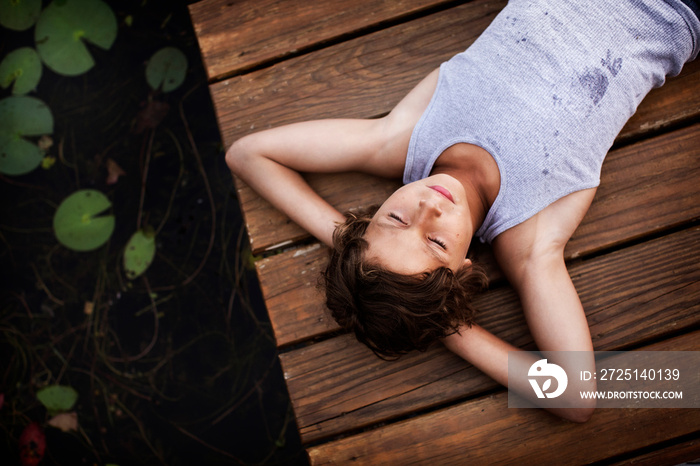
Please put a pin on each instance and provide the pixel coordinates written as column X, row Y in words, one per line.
column 32, row 444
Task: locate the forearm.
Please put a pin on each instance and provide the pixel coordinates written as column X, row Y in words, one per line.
column 285, row 189
column 271, row 161
column 484, row 350
column 489, row 354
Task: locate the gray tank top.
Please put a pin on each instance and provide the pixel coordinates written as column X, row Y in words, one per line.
column 546, row 89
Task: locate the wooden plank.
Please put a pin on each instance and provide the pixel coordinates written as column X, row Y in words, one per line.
column 238, row 35
column 676, row 102
column 668, row 456
column 269, row 229
column 630, row 296
column 645, row 188
column 360, row 78
column 486, row 431
column 366, row 77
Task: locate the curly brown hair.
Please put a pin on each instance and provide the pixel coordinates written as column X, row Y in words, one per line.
column 389, row 312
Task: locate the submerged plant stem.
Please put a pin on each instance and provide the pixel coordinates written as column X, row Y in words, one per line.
column 43, row 286
column 177, row 181
column 56, row 276
column 203, row 172
column 144, row 177
column 139, row 424
column 150, row 346
column 211, row 447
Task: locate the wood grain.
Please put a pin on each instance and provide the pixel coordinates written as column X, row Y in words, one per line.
column 235, row 35
column 360, row 78
column 366, row 77
column 339, row 385
column 645, row 188
column 684, row 452
column 633, row 259
column 486, row 431
column 678, row 101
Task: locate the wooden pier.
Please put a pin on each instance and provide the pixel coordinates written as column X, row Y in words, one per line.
column 634, row 260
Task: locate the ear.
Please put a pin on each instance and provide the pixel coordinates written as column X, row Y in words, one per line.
column 467, row 263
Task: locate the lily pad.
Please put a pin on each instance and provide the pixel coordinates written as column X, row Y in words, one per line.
column 19, row 15
column 21, row 67
column 166, row 69
column 57, row 398
column 139, row 252
column 76, row 223
column 62, row 28
column 20, row 117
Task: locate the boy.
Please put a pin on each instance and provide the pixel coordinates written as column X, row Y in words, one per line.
column 505, row 142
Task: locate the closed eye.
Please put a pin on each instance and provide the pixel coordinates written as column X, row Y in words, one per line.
column 397, row 218
column 439, row 243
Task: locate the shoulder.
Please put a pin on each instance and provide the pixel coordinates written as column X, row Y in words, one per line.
column 540, row 240
column 397, row 126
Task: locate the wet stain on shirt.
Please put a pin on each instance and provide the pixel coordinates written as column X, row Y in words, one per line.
column 595, row 83
column 613, row 65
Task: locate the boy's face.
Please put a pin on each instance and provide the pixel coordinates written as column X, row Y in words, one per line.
column 422, row 226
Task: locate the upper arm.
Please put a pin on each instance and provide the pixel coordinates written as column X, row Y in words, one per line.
column 377, row 146
column 532, row 257
column 542, row 236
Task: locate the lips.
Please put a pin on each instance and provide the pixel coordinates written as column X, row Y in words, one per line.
column 444, row 192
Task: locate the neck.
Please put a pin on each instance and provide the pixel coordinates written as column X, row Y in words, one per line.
column 478, row 172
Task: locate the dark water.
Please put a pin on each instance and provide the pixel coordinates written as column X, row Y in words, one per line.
column 175, row 367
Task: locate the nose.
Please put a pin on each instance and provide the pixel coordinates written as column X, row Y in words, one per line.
column 430, row 207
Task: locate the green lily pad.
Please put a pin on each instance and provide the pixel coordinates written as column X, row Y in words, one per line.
column 62, row 28
column 76, row 223
column 166, row 69
column 21, row 67
column 57, row 398
column 139, row 252
column 19, row 15
column 20, row 117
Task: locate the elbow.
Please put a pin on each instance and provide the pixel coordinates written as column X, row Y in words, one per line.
column 233, row 158
column 237, row 155
column 580, row 409
column 581, row 414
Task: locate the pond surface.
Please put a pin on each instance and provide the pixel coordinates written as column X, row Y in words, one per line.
column 174, row 366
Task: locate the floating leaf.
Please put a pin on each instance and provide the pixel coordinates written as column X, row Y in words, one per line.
column 62, row 28
column 32, row 445
column 57, row 398
column 21, row 67
column 19, row 15
column 139, row 252
column 22, row 116
column 76, row 223
column 166, row 69
column 48, row 162
column 45, row 142
column 65, row 421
